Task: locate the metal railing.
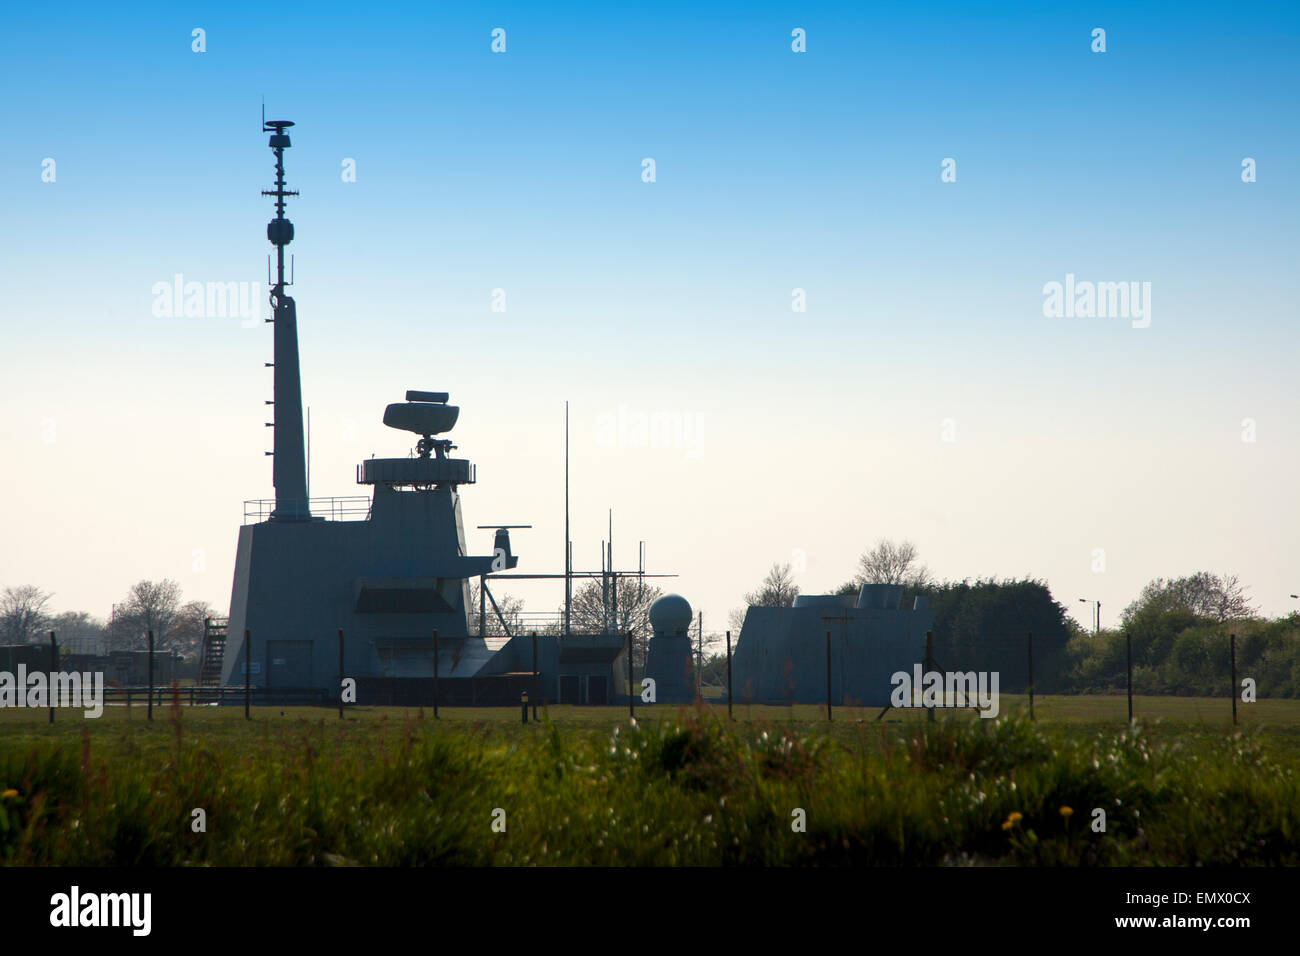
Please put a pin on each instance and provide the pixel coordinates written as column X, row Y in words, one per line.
column 342, row 508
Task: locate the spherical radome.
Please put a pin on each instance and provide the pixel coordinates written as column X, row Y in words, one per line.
column 671, row 614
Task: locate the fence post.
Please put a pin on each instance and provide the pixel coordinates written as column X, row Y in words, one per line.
column 631, row 697
column 729, row 694
column 534, row 680
column 829, row 715
column 435, row 674
column 1128, row 643
column 1233, row 648
column 929, row 664
column 53, row 666
column 150, row 712
column 248, row 671
column 340, row 673
column 1030, row 647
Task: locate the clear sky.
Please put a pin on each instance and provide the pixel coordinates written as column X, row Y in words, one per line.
column 923, row 393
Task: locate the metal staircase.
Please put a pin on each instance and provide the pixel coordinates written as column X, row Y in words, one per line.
column 214, row 651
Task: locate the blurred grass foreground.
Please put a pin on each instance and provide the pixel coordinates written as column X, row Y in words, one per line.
column 688, row 787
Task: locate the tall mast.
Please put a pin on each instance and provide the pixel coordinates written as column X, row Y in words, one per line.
column 289, row 468
column 568, row 545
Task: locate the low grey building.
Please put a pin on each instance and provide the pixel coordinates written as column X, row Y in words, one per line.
column 781, row 654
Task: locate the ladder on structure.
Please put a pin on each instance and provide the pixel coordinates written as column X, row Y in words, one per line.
column 214, row 651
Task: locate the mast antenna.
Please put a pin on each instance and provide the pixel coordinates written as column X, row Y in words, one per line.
column 289, row 461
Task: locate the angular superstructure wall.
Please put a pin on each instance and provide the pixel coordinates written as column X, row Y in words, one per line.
column 781, row 656
column 387, row 581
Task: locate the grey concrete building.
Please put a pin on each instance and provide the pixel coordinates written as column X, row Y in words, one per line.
column 781, row 655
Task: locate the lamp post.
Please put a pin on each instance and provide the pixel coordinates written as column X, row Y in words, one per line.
column 1096, row 619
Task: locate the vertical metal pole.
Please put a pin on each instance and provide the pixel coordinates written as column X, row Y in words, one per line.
column 151, row 675
column 482, row 605
column 699, row 657
column 828, row 675
column 929, row 663
column 340, row 673
column 568, row 545
column 53, row 666
column 534, row 680
column 1231, row 644
column 248, row 672
column 631, row 694
column 435, row 672
column 1030, row 647
column 1128, row 642
column 613, row 589
column 729, row 694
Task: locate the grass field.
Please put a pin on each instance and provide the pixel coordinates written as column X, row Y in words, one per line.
column 683, row 786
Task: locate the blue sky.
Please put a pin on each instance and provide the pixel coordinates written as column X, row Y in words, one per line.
column 819, row 431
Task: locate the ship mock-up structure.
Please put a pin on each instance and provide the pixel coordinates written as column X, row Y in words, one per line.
column 392, row 575
column 389, row 581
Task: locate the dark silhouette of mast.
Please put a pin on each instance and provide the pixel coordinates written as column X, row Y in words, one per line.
column 290, row 465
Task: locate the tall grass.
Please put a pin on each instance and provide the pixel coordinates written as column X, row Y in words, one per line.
column 691, row 790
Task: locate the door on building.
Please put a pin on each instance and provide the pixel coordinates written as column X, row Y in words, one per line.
column 570, row 689
column 597, row 689
column 288, row 664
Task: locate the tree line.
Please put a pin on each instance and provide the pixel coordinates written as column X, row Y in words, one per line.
column 1179, row 629
column 158, row 606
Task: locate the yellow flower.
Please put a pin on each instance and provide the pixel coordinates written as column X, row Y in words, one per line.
column 1013, row 818
column 1066, row 812
column 9, row 793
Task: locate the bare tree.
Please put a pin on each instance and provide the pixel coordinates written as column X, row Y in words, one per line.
column 149, row 606
column 187, row 630
column 511, row 609
column 736, row 620
column 79, row 632
column 777, row 590
column 1228, row 601
column 892, row 563
column 1204, row 594
column 594, row 611
column 22, row 614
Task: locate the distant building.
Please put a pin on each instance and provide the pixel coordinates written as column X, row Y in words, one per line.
column 120, row 668
column 780, row 657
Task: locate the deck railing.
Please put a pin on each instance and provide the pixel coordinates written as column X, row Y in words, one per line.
column 342, row 508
